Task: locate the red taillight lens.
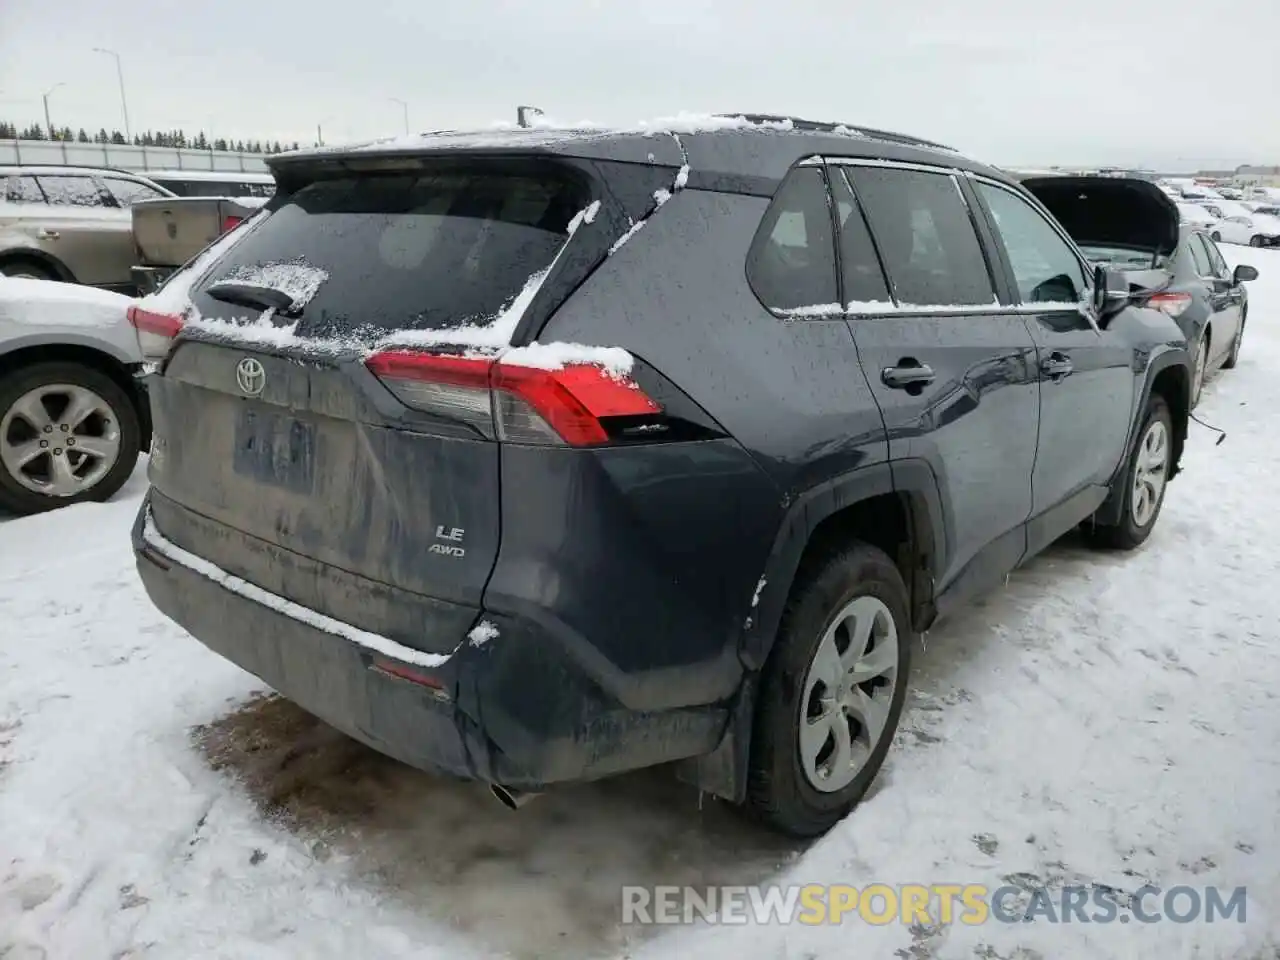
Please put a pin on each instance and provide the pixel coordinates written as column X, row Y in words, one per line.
column 230, row 222
column 1171, row 303
column 155, row 330
column 515, row 403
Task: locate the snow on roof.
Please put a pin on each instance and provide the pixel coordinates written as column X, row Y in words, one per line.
column 545, row 130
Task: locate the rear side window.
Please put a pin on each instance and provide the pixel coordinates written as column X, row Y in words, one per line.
column 792, row 261
column 926, row 237
column 1045, row 267
column 72, row 191
column 22, row 190
column 413, row 251
column 1199, row 256
column 128, row 192
column 863, row 279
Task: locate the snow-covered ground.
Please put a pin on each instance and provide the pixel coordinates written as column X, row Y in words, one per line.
column 1110, row 719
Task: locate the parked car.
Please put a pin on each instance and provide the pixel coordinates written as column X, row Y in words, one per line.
column 781, row 394
column 70, row 223
column 1222, row 209
column 73, row 416
column 1195, row 214
column 1178, row 270
column 1256, row 229
column 168, row 232
column 214, row 183
column 1265, row 209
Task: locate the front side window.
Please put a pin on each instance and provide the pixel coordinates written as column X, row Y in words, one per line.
column 1045, row 267
column 930, row 250
column 66, row 191
column 792, row 263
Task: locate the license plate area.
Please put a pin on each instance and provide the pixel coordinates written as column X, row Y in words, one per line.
column 275, row 449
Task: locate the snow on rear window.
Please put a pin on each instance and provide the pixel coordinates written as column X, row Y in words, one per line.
column 296, row 278
column 447, row 254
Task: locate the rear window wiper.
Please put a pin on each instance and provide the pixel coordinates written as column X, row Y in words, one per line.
column 252, row 295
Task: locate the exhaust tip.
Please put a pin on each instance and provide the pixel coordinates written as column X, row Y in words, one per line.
column 510, row 797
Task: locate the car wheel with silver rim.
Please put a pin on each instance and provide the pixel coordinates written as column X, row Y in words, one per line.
column 831, row 692
column 1146, row 479
column 68, row 433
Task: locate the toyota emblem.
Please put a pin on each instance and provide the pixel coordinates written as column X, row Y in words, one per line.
column 251, row 377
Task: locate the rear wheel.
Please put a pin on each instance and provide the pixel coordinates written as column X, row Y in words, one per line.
column 831, row 693
column 1255, row 241
column 27, row 270
column 1217, row 237
column 1145, row 481
column 68, row 433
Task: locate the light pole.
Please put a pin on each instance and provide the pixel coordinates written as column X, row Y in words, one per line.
column 124, row 104
column 405, row 107
column 47, row 122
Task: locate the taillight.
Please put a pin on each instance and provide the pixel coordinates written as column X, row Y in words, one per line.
column 567, row 405
column 230, row 222
column 155, row 331
column 1171, row 303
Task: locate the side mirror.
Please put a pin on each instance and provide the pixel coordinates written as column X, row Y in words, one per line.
column 1244, row 272
column 1110, row 291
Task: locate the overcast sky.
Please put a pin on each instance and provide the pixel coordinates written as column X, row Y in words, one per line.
column 1009, row 81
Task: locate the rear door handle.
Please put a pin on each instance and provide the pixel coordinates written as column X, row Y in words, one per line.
column 908, row 373
column 1056, row 366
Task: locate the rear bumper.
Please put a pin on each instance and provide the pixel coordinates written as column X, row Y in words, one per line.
column 516, row 710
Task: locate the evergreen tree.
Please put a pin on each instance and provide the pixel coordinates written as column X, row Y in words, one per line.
column 118, row 138
column 82, row 137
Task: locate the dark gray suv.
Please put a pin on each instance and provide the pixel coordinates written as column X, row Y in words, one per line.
column 538, row 456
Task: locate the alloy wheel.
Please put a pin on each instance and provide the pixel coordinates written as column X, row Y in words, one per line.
column 847, row 693
column 1150, row 472
column 59, row 439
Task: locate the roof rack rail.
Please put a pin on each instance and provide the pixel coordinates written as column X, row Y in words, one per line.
column 822, row 126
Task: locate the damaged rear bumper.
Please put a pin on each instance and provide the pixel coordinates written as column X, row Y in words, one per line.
column 515, row 710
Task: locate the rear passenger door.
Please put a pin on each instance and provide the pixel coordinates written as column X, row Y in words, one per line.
column 1085, row 373
column 85, row 230
column 1226, row 300
column 952, row 372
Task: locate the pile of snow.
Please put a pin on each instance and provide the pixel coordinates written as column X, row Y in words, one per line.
column 615, row 361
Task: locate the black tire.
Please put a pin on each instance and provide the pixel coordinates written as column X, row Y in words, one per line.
column 16, row 498
column 1217, row 237
column 778, row 790
column 26, row 267
column 1255, row 241
column 1128, row 534
column 1234, row 356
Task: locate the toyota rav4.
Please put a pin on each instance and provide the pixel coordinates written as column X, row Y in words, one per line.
column 536, row 456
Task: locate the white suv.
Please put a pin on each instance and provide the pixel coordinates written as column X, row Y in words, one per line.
column 73, row 415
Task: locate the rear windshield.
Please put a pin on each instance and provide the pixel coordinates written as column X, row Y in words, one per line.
column 408, row 251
